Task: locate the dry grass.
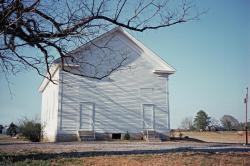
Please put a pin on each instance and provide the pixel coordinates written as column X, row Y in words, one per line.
column 173, row 159
column 4, row 138
column 222, row 137
column 177, row 159
column 8, row 139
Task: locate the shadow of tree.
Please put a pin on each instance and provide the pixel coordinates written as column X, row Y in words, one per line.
column 48, row 156
column 187, row 139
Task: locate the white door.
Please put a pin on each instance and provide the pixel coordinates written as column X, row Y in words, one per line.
column 148, row 116
column 87, row 116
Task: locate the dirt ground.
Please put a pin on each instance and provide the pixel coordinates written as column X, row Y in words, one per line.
column 198, row 140
column 176, row 153
column 99, row 146
column 10, row 145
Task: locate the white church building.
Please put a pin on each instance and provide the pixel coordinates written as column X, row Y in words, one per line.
column 132, row 97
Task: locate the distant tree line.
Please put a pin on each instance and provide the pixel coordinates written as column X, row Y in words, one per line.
column 203, row 122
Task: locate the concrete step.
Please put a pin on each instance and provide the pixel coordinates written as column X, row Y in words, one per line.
column 86, row 135
column 85, row 132
column 154, row 139
column 87, row 138
column 150, row 132
column 151, row 136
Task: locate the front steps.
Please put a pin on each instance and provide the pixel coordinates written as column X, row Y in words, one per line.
column 148, row 135
column 85, row 135
column 151, row 136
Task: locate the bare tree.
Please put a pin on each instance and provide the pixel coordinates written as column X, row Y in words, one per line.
column 229, row 122
column 187, row 123
column 214, row 122
column 50, row 29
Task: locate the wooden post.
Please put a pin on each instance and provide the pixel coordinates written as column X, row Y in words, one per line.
column 246, row 101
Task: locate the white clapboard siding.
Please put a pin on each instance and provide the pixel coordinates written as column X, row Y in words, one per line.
column 117, row 99
column 49, row 114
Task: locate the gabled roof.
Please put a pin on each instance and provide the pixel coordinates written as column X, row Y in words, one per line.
column 164, row 67
column 45, row 82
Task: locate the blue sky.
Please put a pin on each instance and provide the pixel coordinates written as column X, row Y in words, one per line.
column 211, row 56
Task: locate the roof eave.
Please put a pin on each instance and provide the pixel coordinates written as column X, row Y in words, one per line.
column 46, row 81
column 164, row 72
column 148, row 51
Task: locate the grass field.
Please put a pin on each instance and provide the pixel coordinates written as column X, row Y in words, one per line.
column 173, row 159
column 221, row 137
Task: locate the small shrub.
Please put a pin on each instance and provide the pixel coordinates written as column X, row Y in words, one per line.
column 180, row 135
column 12, row 130
column 1, row 129
column 31, row 129
column 127, row 136
column 172, row 133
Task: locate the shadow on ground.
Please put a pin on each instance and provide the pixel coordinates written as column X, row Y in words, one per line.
column 48, row 156
column 187, row 139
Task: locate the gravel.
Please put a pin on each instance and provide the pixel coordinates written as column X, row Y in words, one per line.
column 121, row 147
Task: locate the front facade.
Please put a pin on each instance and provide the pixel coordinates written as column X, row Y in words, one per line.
column 131, row 99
